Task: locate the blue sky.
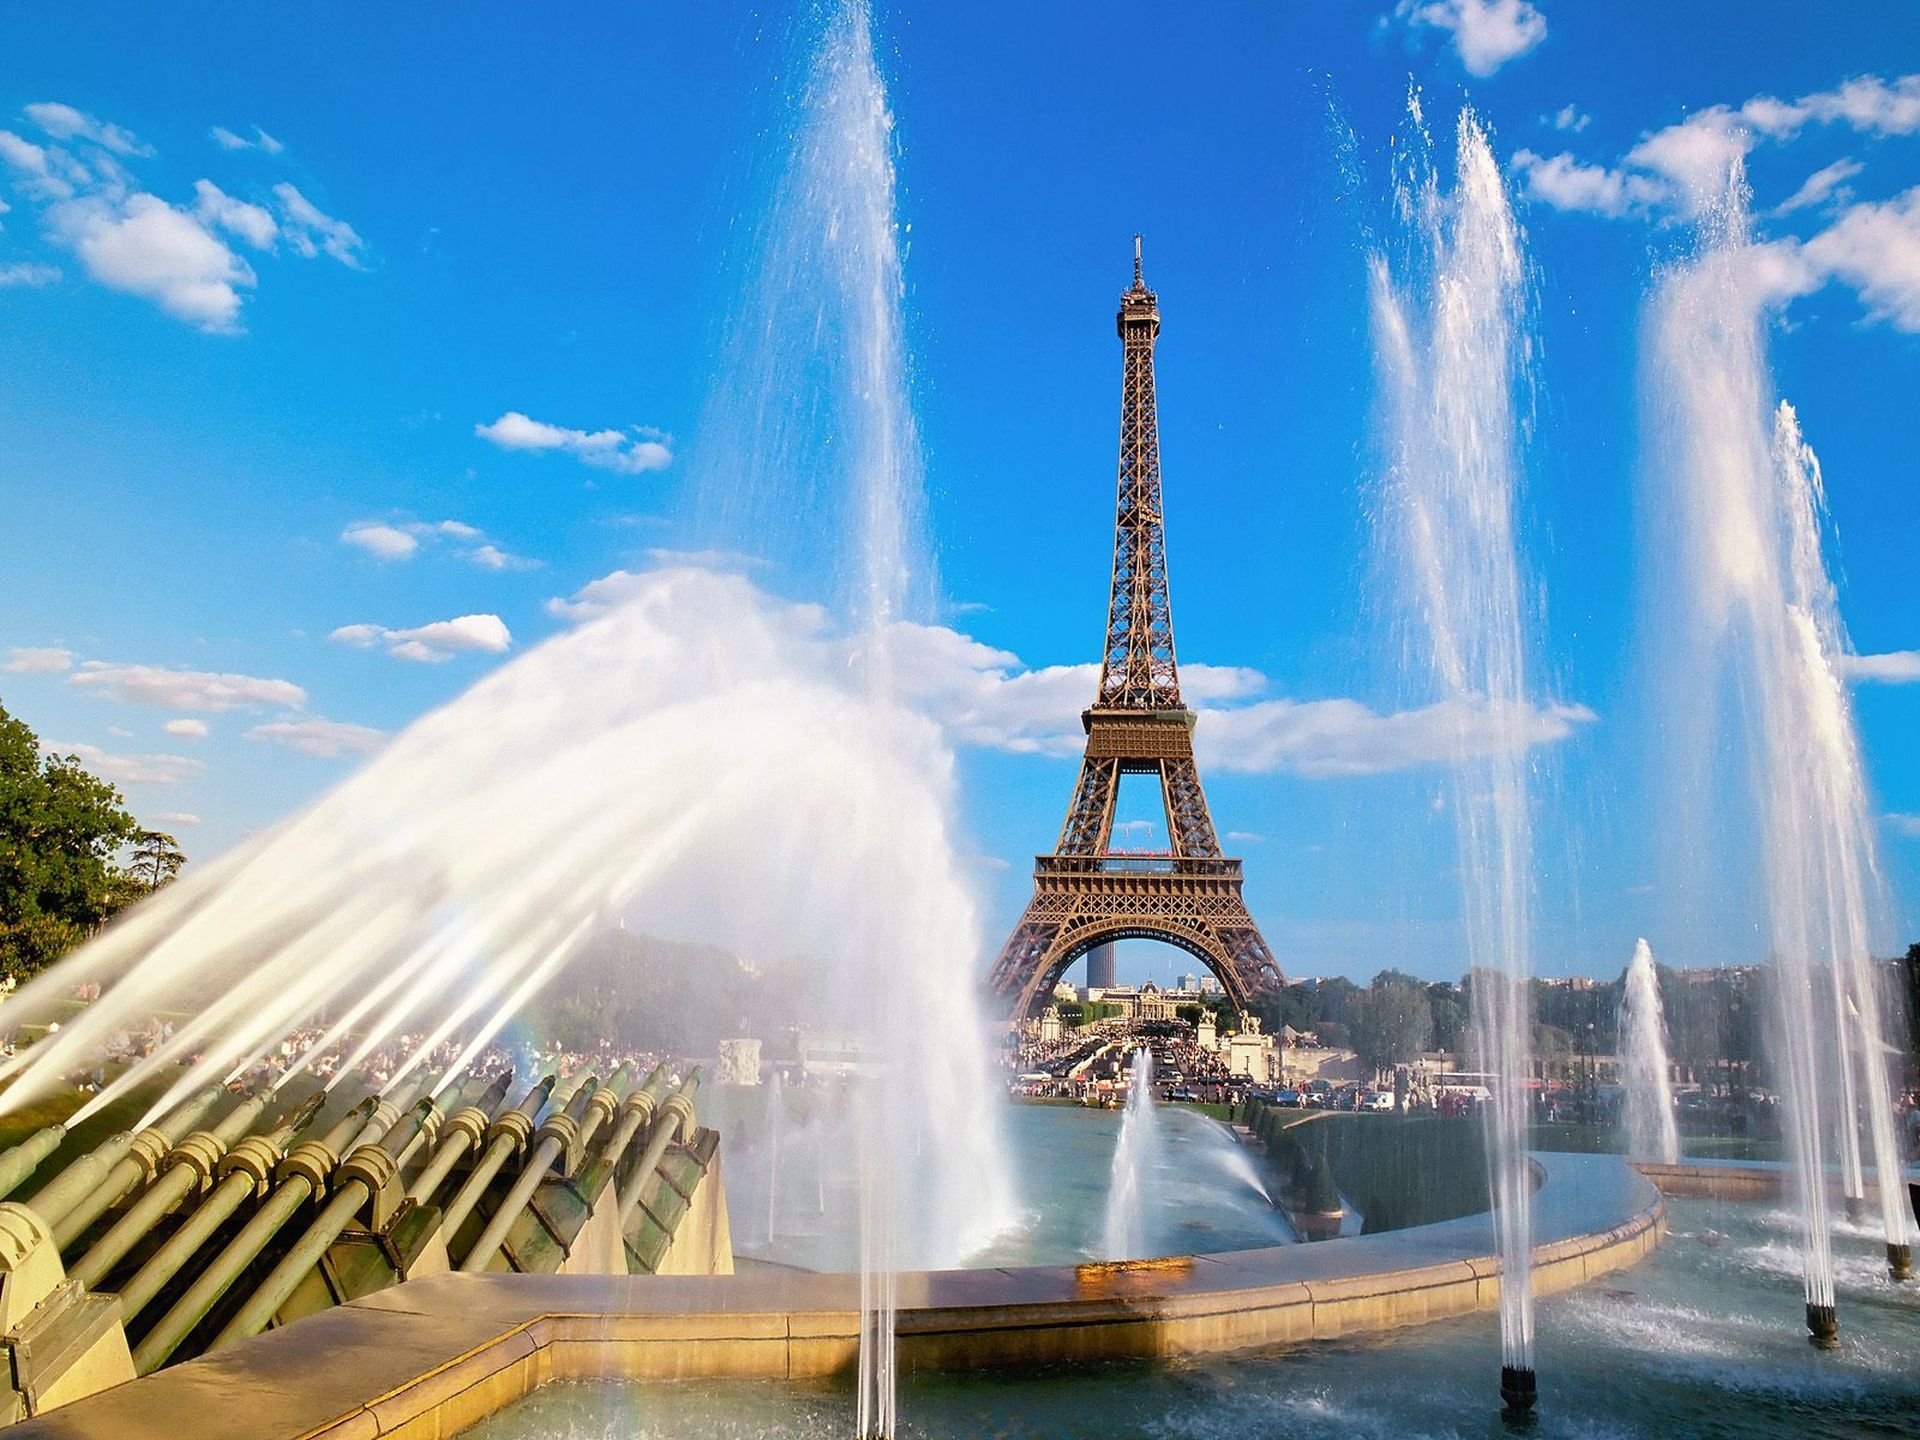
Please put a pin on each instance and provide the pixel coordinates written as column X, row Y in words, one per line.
column 333, row 354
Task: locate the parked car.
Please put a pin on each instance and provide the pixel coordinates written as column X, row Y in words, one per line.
column 1292, row 1099
column 1377, row 1100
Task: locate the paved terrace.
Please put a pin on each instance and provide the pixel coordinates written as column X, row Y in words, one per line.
column 427, row 1358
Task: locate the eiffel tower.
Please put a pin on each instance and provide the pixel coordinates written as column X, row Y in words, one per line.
column 1085, row 894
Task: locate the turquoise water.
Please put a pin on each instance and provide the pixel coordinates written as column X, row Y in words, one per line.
column 1702, row 1339
column 1194, row 1201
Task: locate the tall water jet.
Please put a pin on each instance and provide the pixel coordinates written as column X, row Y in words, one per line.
column 1746, row 613
column 1451, row 345
column 811, row 435
column 1136, row 1156
column 1647, row 1116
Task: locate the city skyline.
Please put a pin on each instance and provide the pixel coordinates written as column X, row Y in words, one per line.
column 352, row 400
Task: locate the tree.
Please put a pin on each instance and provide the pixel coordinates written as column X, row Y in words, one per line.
column 59, row 830
column 157, row 859
column 1391, row 1021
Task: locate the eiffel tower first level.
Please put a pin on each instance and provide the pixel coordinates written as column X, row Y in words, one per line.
column 1085, row 894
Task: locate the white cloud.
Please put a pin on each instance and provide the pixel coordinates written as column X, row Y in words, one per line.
column 1875, row 248
column 987, row 697
column 228, row 140
column 311, row 230
column 186, row 729
column 1323, row 739
column 1486, row 33
column 23, row 155
column 1903, row 823
column 1689, row 162
column 1894, row 667
column 200, row 690
column 63, row 122
column 128, row 769
column 326, row 739
column 1569, row 117
column 430, row 644
column 1826, row 183
column 629, row 452
column 492, row 557
column 380, row 540
column 402, row 540
column 137, row 242
column 1245, row 837
column 181, row 818
column 1566, row 184
column 250, row 222
column 38, row 660
column 146, row 247
column 27, row 275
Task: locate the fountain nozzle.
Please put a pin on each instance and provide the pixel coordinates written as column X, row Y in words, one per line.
column 1856, row 1208
column 1823, row 1327
column 1518, row 1393
column 1900, row 1261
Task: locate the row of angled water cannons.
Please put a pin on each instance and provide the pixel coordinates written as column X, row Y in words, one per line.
column 151, row 1217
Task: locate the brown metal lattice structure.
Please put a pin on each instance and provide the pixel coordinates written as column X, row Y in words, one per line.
column 1085, row 894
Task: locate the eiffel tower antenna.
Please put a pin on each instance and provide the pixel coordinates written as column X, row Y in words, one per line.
column 1085, row 895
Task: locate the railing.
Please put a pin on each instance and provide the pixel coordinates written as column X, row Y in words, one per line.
column 1122, row 864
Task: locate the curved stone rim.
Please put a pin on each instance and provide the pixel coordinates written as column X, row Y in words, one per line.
column 435, row 1355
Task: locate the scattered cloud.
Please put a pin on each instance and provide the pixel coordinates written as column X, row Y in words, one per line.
column 988, row 698
column 27, row 275
column 197, row 690
column 1685, row 166
column 492, row 557
column 128, row 769
column 380, row 540
column 38, row 660
column 219, row 210
column 63, row 122
column 1486, row 33
column 1686, row 169
column 1327, row 739
column 402, row 540
column 1826, row 183
column 143, row 246
column 1570, row 118
column 1903, row 823
column 1245, row 837
column 187, row 729
column 184, row 819
column 228, row 140
column 633, row 451
column 175, row 255
column 326, row 739
column 430, row 644
column 1894, row 667
column 311, row 231
column 1566, row 184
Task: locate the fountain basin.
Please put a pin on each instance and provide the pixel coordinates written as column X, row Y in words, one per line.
column 440, row 1353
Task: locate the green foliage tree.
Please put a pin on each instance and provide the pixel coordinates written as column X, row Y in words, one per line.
column 60, row 828
column 1391, row 1021
column 157, row 859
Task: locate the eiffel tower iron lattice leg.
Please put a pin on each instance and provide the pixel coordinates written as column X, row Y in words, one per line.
column 1086, row 894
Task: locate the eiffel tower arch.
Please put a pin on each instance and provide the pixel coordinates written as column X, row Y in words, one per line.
column 1085, row 893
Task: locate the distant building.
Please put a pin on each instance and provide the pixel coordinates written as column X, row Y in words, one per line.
column 1209, row 985
column 1189, row 984
column 1102, row 967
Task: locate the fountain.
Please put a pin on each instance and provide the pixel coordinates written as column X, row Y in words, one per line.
column 1450, row 346
column 1748, row 613
column 1136, row 1158
column 1648, row 1119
